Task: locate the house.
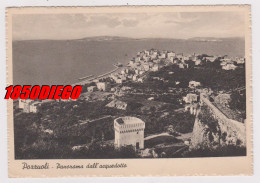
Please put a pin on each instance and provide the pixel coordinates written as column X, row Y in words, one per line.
column 190, row 98
column 186, row 58
column 146, row 67
column 117, row 104
column 198, row 62
column 229, row 67
column 34, row 107
column 147, row 59
column 240, row 60
column 140, row 80
column 123, row 78
column 194, row 84
column 137, row 59
column 153, row 57
column 123, row 72
column 131, row 62
column 29, row 105
column 147, row 52
column 113, row 89
column 156, row 67
column 103, row 86
column 130, row 76
column 171, row 59
column 210, row 59
column 163, row 55
column 151, row 64
column 141, row 72
column 157, row 61
column 171, row 54
column 135, row 77
column 23, row 102
column 150, row 98
column 180, row 56
column 181, row 65
column 119, row 80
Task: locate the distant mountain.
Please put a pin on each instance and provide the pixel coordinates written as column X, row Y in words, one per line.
column 214, row 39
column 104, row 38
column 118, row 38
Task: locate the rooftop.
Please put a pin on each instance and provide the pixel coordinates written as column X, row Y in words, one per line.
column 128, row 120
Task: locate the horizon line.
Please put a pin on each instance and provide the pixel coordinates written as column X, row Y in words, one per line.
column 46, row 39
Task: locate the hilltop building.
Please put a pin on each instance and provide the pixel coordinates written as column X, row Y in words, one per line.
column 129, row 131
column 29, row 105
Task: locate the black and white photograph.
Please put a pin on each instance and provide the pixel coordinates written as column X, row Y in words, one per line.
column 154, row 85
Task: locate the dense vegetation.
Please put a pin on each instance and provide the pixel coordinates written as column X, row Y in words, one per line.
column 219, row 151
column 238, row 102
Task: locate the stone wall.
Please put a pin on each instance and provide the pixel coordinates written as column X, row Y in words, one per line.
column 229, row 131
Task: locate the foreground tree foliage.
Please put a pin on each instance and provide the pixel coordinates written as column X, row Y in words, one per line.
column 219, row 151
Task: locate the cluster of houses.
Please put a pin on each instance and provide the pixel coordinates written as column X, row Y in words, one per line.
column 32, row 106
column 28, row 105
column 153, row 60
column 231, row 63
column 100, row 86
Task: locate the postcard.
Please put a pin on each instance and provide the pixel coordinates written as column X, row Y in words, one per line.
column 164, row 91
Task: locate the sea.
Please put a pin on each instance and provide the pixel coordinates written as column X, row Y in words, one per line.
column 60, row 62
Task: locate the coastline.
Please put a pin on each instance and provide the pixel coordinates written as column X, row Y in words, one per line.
column 83, row 82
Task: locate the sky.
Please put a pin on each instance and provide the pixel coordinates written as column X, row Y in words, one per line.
column 181, row 25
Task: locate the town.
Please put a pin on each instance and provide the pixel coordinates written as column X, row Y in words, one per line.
column 155, row 106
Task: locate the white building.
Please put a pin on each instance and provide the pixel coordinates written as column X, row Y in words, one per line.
column 129, row 131
column 119, row 80
column 240, row 60
column 229, row 67
column 146, row 67
column 198, row 62
column 103, row 86
column 131, row 62
column 211, row 59
column 147, row 52
column 190, row 98
column 141, row 80
column 171, row 54
column 35, row 106
column 194, row 84
column 156, row 67
column 29, row 105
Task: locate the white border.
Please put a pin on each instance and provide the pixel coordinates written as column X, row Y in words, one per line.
column 255, row 7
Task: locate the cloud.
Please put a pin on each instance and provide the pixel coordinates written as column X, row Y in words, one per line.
column 136, row 25
column 179, row 19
